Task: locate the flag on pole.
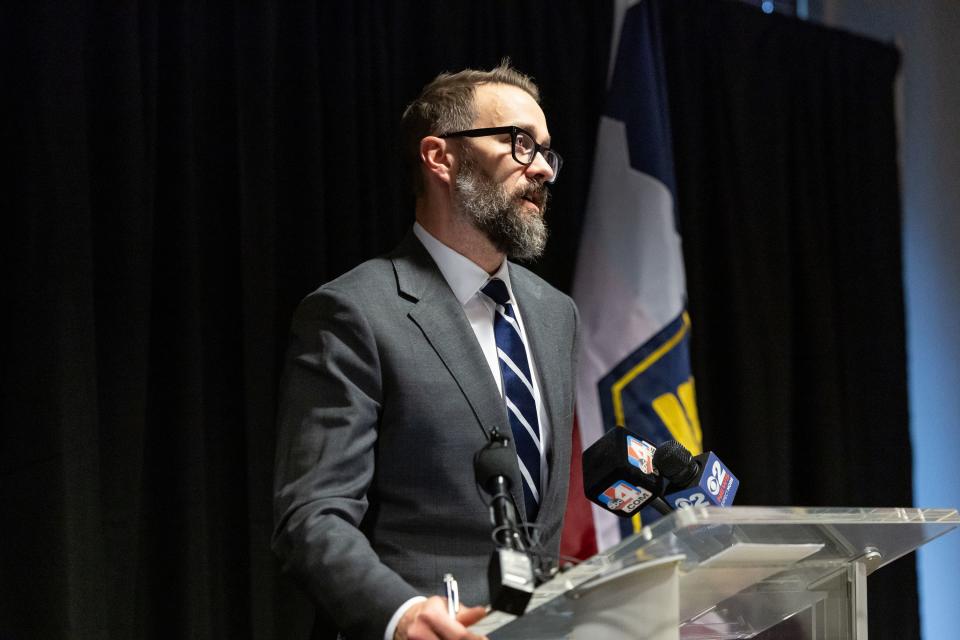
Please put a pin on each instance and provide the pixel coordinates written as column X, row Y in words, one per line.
column 629, row 283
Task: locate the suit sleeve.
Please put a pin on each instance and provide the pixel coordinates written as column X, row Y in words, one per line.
column 330, row 402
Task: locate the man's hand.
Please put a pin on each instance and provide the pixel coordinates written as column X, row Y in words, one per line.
column 428, row 620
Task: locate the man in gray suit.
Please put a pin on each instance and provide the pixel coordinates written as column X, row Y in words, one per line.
column 399, row 370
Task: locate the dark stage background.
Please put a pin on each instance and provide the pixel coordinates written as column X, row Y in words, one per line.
column 176, row 176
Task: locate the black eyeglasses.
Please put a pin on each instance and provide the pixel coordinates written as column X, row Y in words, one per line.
column 525, row 148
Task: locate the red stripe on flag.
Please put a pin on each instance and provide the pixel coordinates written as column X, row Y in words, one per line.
column 579, row 537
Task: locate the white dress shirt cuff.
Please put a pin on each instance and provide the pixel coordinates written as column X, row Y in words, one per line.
column 395, row 620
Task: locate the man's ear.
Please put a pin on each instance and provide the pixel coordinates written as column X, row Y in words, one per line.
column 437, row 158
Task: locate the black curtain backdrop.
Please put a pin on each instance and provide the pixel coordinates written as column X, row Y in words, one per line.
column 785, row 146
column 176, row 176
column 180, row 175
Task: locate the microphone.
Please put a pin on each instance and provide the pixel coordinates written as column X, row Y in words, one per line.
column 693, row 480
column 510, row 572
column 619, row 474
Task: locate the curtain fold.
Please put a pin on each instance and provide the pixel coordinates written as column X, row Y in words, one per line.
column 180, row 176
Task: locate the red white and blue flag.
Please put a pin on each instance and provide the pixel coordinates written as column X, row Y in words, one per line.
column 630, row 285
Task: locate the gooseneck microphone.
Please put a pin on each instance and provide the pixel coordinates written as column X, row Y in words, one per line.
column 492, row 466
column 510, row 573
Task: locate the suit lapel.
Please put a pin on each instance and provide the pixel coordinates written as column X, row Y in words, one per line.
column 551, row 369
column 440, row 317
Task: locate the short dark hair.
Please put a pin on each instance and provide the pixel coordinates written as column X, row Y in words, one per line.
column 447, row 104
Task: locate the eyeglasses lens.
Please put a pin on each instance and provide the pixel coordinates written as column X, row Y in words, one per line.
column 524, row 149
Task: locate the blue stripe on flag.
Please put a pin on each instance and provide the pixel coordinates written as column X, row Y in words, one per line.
column 638, row 94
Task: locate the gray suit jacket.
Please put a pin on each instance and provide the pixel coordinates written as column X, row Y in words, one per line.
column 386, row 399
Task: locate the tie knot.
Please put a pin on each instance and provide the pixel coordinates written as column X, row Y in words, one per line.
column 496, row 290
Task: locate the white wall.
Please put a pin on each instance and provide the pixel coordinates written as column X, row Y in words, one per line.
column 928, row 34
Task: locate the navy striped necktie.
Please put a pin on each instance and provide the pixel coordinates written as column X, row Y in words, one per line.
column 517, row 393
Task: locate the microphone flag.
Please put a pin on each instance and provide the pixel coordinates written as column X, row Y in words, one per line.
column 713, row 485
column 629, row 281
column 619, row 473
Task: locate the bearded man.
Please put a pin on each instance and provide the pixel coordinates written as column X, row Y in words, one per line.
column 399, row 371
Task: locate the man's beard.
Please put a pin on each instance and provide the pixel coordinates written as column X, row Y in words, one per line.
column 500, row 215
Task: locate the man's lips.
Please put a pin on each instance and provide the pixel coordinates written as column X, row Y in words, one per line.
column 534, row 197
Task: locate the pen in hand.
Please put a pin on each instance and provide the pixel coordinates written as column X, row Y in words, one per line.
column 453, row 595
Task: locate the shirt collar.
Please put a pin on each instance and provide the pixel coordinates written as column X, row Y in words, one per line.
column 464, row 276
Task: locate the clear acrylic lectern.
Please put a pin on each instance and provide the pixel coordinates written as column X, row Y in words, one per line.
column 707, row 572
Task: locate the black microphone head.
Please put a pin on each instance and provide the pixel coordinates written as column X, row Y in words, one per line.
column 495, row 459
column 674, row 462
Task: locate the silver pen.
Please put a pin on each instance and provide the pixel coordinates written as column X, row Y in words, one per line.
column 453, row 595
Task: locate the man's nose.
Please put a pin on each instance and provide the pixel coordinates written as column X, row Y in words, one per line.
column 540, row 168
